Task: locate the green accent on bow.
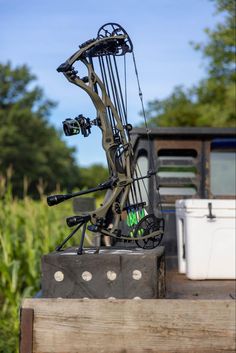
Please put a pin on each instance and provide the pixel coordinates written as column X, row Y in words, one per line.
column 133, row 217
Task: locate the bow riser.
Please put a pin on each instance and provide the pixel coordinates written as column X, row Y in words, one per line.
column 102, row 104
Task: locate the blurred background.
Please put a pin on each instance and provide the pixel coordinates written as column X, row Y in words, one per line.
column 185, row 52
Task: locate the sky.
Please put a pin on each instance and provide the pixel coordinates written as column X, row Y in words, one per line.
column 43, row 34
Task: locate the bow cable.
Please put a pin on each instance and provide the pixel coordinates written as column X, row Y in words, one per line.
column 111, row 79
column 148, row 138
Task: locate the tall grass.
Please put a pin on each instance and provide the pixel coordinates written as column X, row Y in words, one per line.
column 28, row 229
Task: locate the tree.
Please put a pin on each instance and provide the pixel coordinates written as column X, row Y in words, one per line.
column 212, row 101
column 93, row 175
column 28, row 142
column 220, row 47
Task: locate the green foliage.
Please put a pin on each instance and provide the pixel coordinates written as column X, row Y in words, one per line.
column 93, row 175
column 28, row 229
column 220, row 47
column 176, row 110
column 212, row 101
column 28, row 142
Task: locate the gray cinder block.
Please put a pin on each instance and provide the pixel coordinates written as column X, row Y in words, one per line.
column 112, row 273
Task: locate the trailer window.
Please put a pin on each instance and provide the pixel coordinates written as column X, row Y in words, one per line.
column 177, row 172
column 222, row 177
column 222, row 167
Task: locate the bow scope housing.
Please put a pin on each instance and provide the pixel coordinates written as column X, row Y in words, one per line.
column 77, row 125
column 71, row 127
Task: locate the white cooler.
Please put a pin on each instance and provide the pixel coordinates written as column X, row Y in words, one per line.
column 206, row 238
column 180, row 214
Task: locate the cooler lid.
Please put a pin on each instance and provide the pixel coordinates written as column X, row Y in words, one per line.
column 203, row 204
column 201, row 207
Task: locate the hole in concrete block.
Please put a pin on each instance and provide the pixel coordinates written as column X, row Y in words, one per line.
column 137, row 275
column 111, row 275
column 59, row 276
column 87, row 276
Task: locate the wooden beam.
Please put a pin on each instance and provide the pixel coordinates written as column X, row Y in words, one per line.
column 132, row 326
column 26, row 330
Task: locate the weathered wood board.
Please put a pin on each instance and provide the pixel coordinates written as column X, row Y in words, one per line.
column 131, row 326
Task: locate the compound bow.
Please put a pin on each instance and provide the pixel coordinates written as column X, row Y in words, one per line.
column 124, row 199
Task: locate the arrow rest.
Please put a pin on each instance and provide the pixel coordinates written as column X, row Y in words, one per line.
column 123, row 214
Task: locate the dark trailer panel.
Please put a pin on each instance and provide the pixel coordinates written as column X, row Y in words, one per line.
column 190, row 163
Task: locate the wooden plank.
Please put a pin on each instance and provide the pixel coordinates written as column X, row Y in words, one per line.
column 180, row 287
column 26, row 330
column 132, row 326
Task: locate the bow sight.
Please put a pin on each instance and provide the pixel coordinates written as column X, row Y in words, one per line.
column 79, row 124
column 123, row 214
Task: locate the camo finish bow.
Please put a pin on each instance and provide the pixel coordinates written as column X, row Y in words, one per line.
column 123, row 214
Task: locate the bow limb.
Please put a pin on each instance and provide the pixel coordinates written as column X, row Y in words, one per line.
column 88, row 49
column 93, row 43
